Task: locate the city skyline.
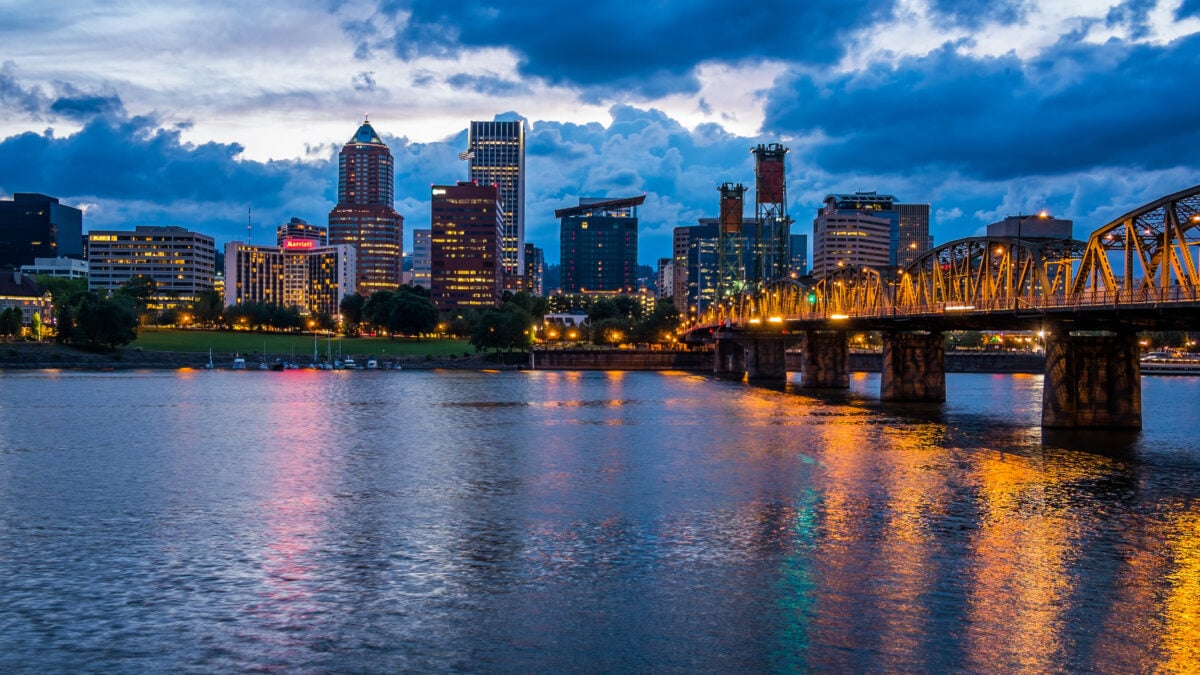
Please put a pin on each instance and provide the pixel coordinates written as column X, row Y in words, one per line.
column 982, row 110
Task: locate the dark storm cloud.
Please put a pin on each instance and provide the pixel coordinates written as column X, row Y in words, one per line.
column 976, row 13
column 138, row 173
column 491, row 86
column 1078, row 107
column 85, row 107
column 15, row 96
column 649, row 48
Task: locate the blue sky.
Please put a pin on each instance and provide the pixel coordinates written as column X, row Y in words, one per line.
column 185, row 113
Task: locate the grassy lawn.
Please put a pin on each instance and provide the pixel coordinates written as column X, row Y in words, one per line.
column 281, row 344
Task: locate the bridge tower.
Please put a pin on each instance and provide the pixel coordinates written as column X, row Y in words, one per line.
column 771, row 245
column 731, row 242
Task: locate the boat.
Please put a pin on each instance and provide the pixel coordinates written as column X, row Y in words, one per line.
column 1170, row 363
column 372, row 364
column 349, row 364
column 209, row 365
column 277, row 366
column 239, row 363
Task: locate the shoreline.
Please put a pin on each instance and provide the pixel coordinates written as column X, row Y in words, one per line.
column 53, row 356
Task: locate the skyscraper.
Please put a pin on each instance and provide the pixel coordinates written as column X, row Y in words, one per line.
column 36, row 226
column 496, row 151
column 364, row 216
column 467, row 224
column 599, row 245
column 421, row 258
column 866, row 229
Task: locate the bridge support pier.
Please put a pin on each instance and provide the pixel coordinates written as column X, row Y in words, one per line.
column 826, row 360
column 729, row 358
column 914, row 367
column 766, row 360
column 1092, row 380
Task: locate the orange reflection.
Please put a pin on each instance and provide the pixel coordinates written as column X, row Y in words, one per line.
column 1014, row 611
column 1181, row 611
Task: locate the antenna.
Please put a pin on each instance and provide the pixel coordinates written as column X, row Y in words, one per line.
column 248, row 211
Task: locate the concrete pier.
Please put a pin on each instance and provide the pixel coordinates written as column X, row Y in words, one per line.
column 1092, row 380
column 914, row 367
column 825, row 361
column 766, row 358
column 729, row 358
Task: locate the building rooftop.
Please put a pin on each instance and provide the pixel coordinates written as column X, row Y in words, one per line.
column 366, row 134
column 592, row 205
column 16, row 284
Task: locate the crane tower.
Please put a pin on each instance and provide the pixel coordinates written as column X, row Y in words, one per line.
column 772, row 226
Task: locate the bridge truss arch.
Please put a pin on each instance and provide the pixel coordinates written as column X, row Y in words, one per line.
column 1148, row 252
column 988, row 273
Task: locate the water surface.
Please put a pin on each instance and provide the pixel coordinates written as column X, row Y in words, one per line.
column 433, row 521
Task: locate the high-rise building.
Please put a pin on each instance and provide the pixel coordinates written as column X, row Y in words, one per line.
column 313, row 279
column 298, row 229
column 36, row 226
column 181, row 262
column 364, row 216
column 599, row 245
column 913, row 233
column 1038, row 226
column 798, row 245
column 698, row 258
column 496, row 151
column 535, row 270
column 421, row 258
column 467, row 224
column 664, row 279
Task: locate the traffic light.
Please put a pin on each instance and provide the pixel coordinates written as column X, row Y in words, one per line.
column 812, row 297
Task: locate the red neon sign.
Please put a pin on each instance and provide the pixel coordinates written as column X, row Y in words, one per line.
column 292, row 244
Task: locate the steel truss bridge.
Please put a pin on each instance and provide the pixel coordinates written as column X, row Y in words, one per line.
column 1139, row 272
column 1145, row 263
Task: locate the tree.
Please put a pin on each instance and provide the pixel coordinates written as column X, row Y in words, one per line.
column 611, row 331
column 98, row 323
column 508, row 327
column 11, row 319
column 208, row 307
column 411, row 313
column 659, row 325
column 351, row 308
column 35, row 325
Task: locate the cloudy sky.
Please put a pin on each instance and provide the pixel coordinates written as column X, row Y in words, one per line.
column 186, row 113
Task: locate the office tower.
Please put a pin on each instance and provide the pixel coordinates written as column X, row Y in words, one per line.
column 297, row 229
column 698, row 262
column 421, row 258
column 181, row 262
column 467, row 225
column 535, row 270
column 295, row 274
column 798, row 252
column 1037, row 226
column 496, row 151
column 36, row 226
column 846, row 232
column 599, row 245
column 681, row 237
column 364, row 217
column 913, row 235
column 664, row 279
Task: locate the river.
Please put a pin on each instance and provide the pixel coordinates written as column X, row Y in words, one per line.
column 560, row 521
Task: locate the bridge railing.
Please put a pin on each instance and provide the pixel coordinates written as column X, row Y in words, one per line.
column 1087, row 299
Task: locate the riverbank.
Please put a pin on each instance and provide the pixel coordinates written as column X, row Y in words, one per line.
column 43, row 355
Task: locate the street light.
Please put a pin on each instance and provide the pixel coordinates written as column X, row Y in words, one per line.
column 1017, row 259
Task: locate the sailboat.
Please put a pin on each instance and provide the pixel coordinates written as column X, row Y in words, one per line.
column 209, row 365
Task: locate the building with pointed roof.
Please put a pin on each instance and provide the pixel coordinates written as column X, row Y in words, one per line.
column 365, row 217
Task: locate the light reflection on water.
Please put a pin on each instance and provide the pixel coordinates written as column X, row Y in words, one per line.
column 586, row 521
